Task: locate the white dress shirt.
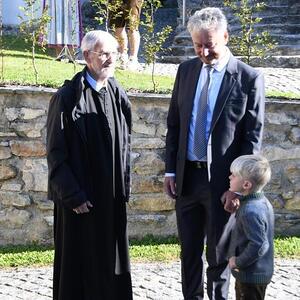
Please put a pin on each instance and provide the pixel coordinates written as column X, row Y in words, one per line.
column 213, row 90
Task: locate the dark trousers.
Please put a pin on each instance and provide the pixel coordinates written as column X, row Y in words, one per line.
column 195, row 223
column 248, row 291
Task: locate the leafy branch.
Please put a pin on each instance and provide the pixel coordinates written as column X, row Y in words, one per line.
column 34, row 27
column 249, row 43
column 153, row 41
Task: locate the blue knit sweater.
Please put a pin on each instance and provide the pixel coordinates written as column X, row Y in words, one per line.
column 252, row 240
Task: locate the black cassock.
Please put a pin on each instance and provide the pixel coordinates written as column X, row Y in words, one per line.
column 88, row 157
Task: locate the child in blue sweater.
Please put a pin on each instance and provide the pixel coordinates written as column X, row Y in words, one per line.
column 251, row 255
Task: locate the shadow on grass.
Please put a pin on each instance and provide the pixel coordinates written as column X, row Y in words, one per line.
column 145, row 241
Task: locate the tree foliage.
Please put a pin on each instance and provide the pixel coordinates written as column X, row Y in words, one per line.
column 153, row 41
column 248, row 42
column 34, row 27
column 105, row 8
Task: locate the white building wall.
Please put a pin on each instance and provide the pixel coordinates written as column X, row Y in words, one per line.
column 11, row 11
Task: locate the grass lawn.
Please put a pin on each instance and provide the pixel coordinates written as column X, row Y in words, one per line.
column 147, row 250
column 17, row 69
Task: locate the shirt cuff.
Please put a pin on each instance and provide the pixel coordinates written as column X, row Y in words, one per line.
column 169, row 174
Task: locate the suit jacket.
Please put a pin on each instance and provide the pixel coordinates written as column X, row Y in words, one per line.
column 237, row 122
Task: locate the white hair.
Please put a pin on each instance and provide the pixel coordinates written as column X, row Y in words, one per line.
column 209, row 18
column 94, row 37
column 254, row 168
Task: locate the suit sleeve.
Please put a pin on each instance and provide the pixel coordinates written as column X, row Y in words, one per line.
column 254, row 116
column 62, row 184
column 173, row 129
column 126, row 109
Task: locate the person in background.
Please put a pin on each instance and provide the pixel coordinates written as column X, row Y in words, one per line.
column 216, row 114
column 125, row 25
column 88, row 154
column 251, row 249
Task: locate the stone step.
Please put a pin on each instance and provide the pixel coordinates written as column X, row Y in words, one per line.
column 280, row 32
column 274, row 19
column 219, row 3
column 274, row 28
column 281, row 18
column 290, row 40
column 271, row 62
column 286, row 50
column 268, row 21
column 281, row 49
column 267, row 11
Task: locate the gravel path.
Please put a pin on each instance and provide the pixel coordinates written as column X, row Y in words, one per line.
column 156, row 281
column 277, row 79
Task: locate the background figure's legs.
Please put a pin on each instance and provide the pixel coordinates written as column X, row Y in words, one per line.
column 121, row 36
column 134, row 39
column 134, row 44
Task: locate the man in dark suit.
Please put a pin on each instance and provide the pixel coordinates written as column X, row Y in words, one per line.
column 216, row 114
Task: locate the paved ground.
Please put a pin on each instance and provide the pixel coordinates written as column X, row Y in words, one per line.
column 278, row 79
column 157, row 281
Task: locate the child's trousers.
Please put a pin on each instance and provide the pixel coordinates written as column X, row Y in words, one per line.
column 249, row 291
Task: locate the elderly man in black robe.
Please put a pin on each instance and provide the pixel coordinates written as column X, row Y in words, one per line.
column 88, row 152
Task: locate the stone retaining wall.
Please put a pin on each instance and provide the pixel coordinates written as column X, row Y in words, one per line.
column 26, row 214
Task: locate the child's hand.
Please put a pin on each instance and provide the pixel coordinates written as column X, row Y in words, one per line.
column 232, row 264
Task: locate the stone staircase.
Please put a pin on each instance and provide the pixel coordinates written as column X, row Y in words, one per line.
column 281, row 18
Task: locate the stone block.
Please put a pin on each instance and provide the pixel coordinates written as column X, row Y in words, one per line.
column 7, row 172
column 146, row 184
column 11, row 186
column 140, row 225
column 292, row 172
column 39, row 231
column 28, row 148
column 5, row 152
column 149, row 163
column 24, row 113
column 295, row 135
column 280, row 118
column 42, row 202
column 273, row 153
column 154, row 202
column 151, row 114
column 49, row 220
column 35, row 175
column 275, row 135
column 11, row 113
column 7, row 134
column 294, row 203
column 143, row 128
column 14, row 218
column 12, row 236
column 287, row 195
column 147, row 143
column 161, row 130
column 29, row 113
column 30, row 129
column 14, row 199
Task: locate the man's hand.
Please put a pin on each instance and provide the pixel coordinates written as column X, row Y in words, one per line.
column 83, row 208
column 230, row 201
column 232, row 264
column 170, row 186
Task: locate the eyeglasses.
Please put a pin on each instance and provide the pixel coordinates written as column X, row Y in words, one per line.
column 105, row 55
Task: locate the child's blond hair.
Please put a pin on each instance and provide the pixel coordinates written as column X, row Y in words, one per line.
column 254, row 168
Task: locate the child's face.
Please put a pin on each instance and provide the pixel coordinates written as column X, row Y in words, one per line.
column 236, row 183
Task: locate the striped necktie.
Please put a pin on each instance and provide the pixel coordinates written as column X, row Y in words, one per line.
column 200, row 142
